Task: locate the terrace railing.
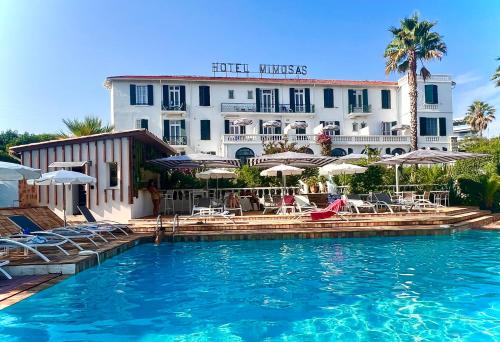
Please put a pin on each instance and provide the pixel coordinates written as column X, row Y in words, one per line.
column 179, row 140
column 362, row 109
column 252, row 107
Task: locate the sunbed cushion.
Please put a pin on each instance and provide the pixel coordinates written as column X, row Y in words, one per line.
column 86, row 213
column 25, row 224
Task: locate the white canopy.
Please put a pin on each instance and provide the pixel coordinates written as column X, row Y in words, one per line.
column 216, row 174
column 286, row 170
column 352, row 157
column 242, row 122
column 298, row 124
column 272, row 123
column 331, row 127
column 341, row 169
column 400, row 127
column 15, row 172
column 64, row 177
column 195, row 160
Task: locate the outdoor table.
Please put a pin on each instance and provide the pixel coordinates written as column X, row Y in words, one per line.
column 441, row 196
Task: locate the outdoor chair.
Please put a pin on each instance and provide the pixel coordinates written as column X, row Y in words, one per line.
column 302, row 203
column 270, row 203
column 102, row 226
column 206, row 203
column 331, row 210
column 232, row 209
column 355, row 201
column 5, row 273
column 382, row 199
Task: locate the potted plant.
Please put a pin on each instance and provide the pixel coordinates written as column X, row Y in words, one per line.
column 312, row 182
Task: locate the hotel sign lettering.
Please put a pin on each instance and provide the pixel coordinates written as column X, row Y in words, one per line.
column 270, row 69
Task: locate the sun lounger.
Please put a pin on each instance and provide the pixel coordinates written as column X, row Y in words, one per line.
column 104, row 225
column 235, row 209
column 382, row 199
column 4, row 263
column 27, row 226
column 270, row 203
column 355, row 201
column 303, row 204
column 331, row 210
column 206, row 203
column 31, row 243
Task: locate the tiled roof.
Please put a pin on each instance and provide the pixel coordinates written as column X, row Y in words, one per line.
column 303, row 81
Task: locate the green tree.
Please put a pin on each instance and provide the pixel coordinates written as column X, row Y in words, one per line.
column 280, row 146
column 479, row 115
column 88, row 126
column 496, row 75
column 11, row 138
column 413, row 41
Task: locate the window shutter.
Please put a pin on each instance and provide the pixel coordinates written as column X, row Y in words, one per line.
column 423, row 126
column 349, row 150
column 386, row 99
column 205, row 129
column 207, row 96
column 243, row 129
column 365, row 99
column 429, row 93
column 204, row 94
column 261, row 129
column 144, row 123
column 394, row 123
column 307, row 94
column 292, row 99
column 435, row 94
column 278, row 129
column 150, row 95
column 328, row 98
column 132, row 95
column 322, row 123
column 388, row 150
column 276, row 100
column 257, row 99
column 338, row 124
column 442, row 127
column 183, row 128
column 166, row 130
column 183, row 97
column 226, row 126
column 165, row 103
column 351, row 99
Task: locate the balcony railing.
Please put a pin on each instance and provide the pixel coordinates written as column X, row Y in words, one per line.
column 179, row 140
column 252, row 107
column 180, row 107
column 311, row 139
column 430, row 106
column 362, row 109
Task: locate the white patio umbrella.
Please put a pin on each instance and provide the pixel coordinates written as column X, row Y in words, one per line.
column 271, row 123
column 216, row 174
column 427, row 157
column 298, row 125
column 290, row 158
column 242, row 122
column 15, row 172
column 341, row 169
column 400, row 127
column 285, row 170
column 64, row 177
column 195, row 160
column 352, row 157
column 331, row 127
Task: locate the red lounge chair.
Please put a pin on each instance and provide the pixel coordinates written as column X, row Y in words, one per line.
column 331, row 210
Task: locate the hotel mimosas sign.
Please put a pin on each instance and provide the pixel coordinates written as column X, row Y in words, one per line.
column 268, row 69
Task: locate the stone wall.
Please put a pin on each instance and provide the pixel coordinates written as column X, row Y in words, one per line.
column 28, row 195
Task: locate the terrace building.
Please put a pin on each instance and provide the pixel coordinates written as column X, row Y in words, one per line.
column 197, row 114
column 462, row 130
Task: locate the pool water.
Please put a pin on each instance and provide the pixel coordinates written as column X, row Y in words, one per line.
column 377, row 289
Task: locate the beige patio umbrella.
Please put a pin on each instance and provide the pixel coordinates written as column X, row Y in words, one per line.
column 284, row 170
column 341, row 169
column 216, row 174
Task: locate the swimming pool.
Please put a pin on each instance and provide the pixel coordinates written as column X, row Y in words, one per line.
column 350, row 289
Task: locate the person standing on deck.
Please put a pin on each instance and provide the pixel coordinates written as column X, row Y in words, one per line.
column 155, row 197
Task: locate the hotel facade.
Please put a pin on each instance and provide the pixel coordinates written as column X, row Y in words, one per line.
column 199, row 114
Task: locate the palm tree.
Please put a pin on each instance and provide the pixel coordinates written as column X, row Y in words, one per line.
column 496, row 75
column 479, row 115
column 413, row 41
column 88, row 126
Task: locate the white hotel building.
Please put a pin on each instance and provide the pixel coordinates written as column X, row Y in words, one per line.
column 196, row 113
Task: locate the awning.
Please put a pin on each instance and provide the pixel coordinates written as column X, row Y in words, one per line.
column 69, row 164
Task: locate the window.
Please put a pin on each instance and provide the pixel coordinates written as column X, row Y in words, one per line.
column 141, row 94
column 205, row 129
column 269, row 130
column 175, row 129
column 142, row 123
column 363, row 124
column 428, row 126
column 431, row 94
column 398, row 151
column 204, row 96
column 386, row 99
column 328, row 97
column 243, row 154
column 358, row 100
column 300, row 102
column 236, row 129
column 230, row 94
column 250, row 94
column 174, row 95
column 338, row 152
column 267, row 100
column 355, row 126
column 112, row 174
column 300, row 130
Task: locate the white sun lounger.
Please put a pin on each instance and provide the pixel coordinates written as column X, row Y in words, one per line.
column 31, row 243
column 105, row 225
column 4, row 263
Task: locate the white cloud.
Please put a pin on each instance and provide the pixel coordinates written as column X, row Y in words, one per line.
column 468, row 77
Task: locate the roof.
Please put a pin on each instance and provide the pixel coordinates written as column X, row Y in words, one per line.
column 301, row 81
column 140, row 134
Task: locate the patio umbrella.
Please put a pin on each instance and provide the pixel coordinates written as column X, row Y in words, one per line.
column 271, row 123
column 331, row 127
column 195, row 160
column 216, row 174
column 15, row 172
column 400, row 127
column 64, row 177
column 285, row 170
column 291, row 158
column 242, row 122
column 352, row 157
column 341, row 169
column 298, row 125
column 427, row 157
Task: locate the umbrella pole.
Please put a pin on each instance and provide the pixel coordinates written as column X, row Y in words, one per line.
column 64, row 204
column 217, row 188
column 397, row 177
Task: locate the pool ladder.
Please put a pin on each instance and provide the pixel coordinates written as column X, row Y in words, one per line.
column 159, row 225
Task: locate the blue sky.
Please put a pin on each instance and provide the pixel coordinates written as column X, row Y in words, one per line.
column 55, row 55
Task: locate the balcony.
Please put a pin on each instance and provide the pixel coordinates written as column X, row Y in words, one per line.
column 179, row 108
column 356, row 112
column 252, row 108
column 361, row 140
column 179, row 140
column 430, row 106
